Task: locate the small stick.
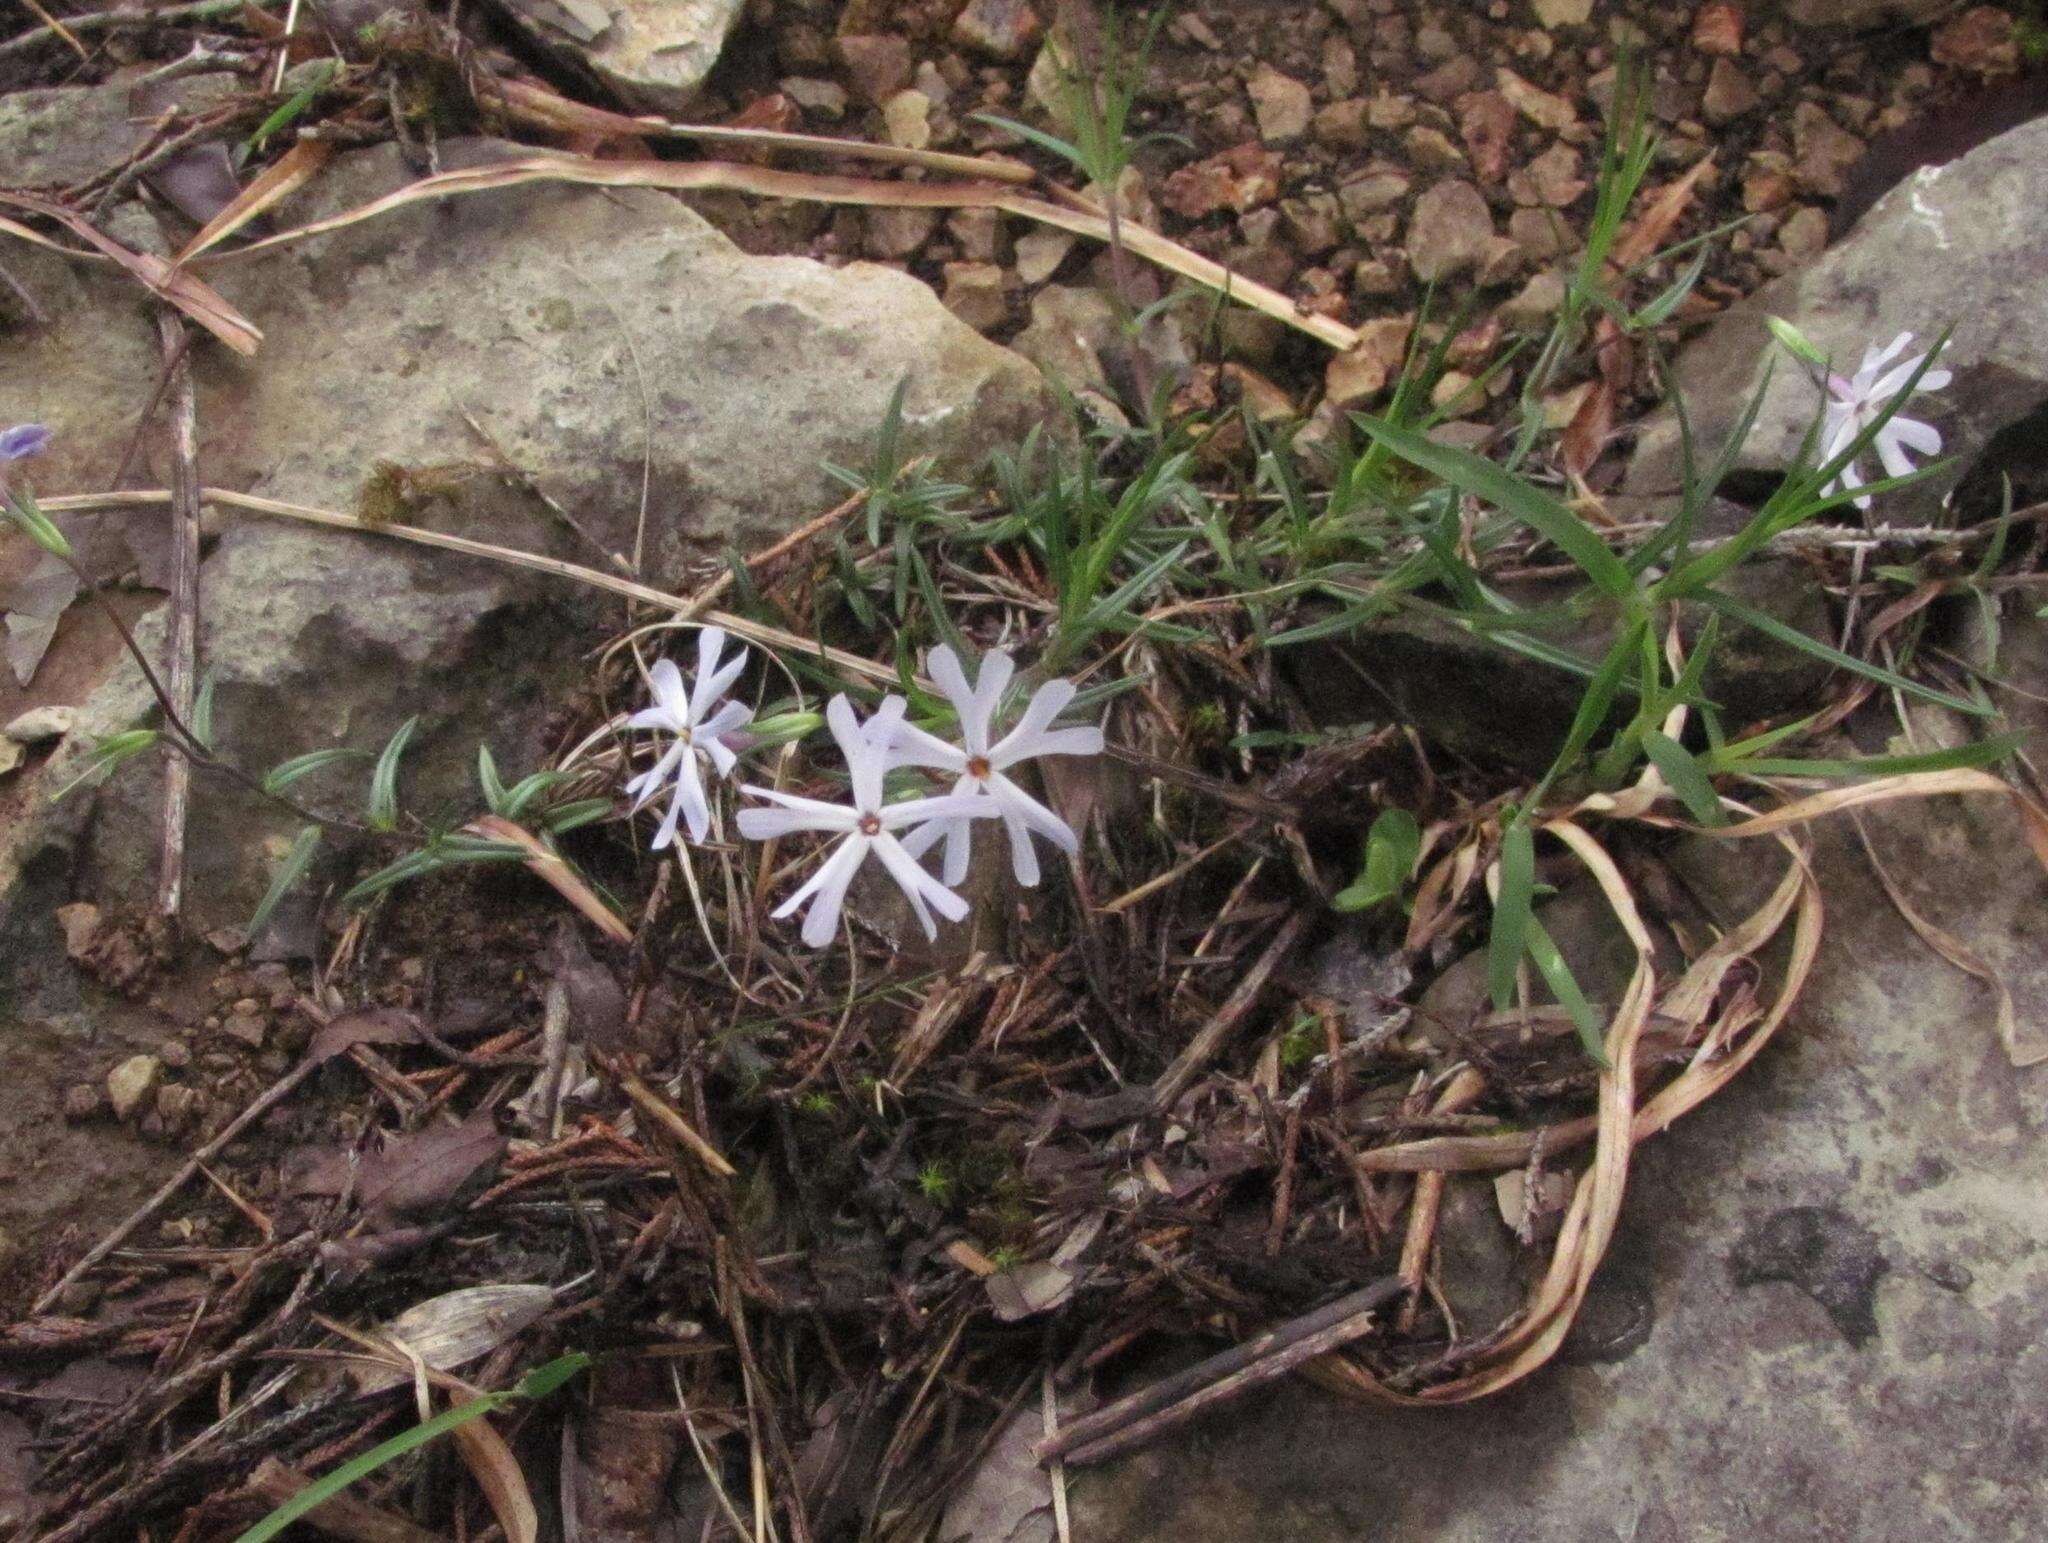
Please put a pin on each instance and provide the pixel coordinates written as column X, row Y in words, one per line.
column 1203, row 1048
column 99, row 21
column 264, row 1103
column 1275, row 1352
column 658, row 1109
column 181, row 640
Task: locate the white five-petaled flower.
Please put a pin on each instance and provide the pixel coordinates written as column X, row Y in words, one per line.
column 1854, row 404
column 979, row 761
column 696, row 718
column 864, row 826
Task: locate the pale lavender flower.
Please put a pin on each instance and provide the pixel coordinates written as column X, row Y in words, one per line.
column 1854, row 404
column 23, row 441
column 979, row 761
column 698, row 720
column 866, row 825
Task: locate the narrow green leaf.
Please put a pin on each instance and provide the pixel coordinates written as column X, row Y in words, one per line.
column 1047, row 142
column 108, row 754
column 22, row 509
column 1557, row 975
column 1985, row 752
column 543, row 1380
column 522, row 793
column 285, row 773
column 1510, row 494
column 1686, row 776
column 1512, row 914
column 488, row 779
column 384, row 779
column 1795, row 342
column 324, row 1489
column 1771, row 627
column 574, row 816
column 289, row 872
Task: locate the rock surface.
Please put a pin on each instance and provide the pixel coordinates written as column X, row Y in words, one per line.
column 1820, row 1319
column 655, row 53
column 613, row 346
column 724, row 380
column 1952, row 245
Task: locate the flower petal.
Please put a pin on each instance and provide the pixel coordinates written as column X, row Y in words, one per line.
column 912, row 746
column 690, row 798
column 919, row 886
column 23, row 441
column 649, row 782
column 1018, row 804
column 1047, row 703
column 666, row 683
column 818, row 814
column 997, row 671
column 826, row 891
column 1889, row 451
column 1023, row 856
column 1076, row 741
column 1923, row 438
column 945, row 806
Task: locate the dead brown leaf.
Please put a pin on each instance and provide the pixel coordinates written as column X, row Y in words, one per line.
column 372, row 1026
column 428, row 1169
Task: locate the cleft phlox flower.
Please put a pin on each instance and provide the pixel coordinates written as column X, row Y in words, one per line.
column 980, row 761
column 865, row 826
column 1855, row 402
column 697, row 716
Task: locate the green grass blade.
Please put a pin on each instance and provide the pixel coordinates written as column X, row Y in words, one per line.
column 1792, row 637
column 285, row 773
column 289, row 872
column 1687, row 777
column 488, row 779
column 1985, row 752
column 1512, row 496
column 1564, row 985
column 1512, row 914
column 384, row 779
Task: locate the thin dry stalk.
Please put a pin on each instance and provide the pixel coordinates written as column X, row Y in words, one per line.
column 181, row 640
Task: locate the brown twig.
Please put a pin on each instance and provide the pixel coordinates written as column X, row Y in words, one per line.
column 1203, row 1048
column 181, row 641
column 1150, row 1411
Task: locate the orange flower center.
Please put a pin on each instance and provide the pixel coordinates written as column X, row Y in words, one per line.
column 978, row 768
column 871, row 825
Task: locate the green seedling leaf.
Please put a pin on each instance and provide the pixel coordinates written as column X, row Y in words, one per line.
column 538, row 1383
column 1390, row 852
column 1687, row 777
column 108, row 754
column 1795, row 342
column 285, row 773
column 24, row 512
column 1985, row 752
column 289, row 872
column 522, row 793
column 573, row 816
column 1512, row 915
column 384, row 779
column 488, row 779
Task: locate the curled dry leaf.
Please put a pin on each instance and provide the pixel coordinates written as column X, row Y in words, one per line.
column 453, row 1329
